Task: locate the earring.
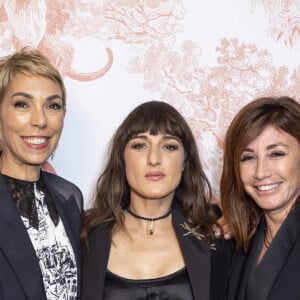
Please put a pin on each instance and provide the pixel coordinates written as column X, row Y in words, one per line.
column 52, row 155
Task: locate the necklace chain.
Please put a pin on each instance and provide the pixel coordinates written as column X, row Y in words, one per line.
column 267, row 242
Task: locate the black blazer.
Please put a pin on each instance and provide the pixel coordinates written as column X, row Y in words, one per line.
column 208, row 269
column 20, row 274
column 277, row 275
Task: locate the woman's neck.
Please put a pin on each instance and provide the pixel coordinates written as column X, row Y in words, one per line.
column 274, row 222
column 150, row 216
column 28, row 173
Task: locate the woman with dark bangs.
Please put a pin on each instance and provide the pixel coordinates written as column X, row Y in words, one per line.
column 149, row 233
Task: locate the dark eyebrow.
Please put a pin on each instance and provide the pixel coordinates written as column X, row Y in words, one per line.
column 53, row 97
column 138, row 136
column 25, row 95
column 29, row 96
column 269, row 147
column 171, row 137
column 164, row 137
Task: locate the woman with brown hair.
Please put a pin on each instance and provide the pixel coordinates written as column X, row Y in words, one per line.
column 149, row 233
column 260, row 188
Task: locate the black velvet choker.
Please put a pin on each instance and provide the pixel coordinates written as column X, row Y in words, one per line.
column 23, row 194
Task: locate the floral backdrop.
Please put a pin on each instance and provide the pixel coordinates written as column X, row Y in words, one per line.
column 207, row 58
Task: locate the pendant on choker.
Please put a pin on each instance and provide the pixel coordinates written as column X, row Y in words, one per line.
column 151, row 220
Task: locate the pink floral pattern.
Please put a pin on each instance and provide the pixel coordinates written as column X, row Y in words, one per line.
column 172, row 68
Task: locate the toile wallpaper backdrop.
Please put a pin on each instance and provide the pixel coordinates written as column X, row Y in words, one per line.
column 206, row 58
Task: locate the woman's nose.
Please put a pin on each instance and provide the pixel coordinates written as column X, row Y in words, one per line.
column 262, row 169
column 154, row 157
column 38, row 118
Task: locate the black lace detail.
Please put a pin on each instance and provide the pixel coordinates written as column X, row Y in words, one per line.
column 23, row 194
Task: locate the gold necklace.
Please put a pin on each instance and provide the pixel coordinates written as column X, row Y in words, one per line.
column 267, row 242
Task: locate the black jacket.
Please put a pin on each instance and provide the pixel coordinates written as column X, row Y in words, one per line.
column 208, row 269
column 277, row 275
column 20, row 274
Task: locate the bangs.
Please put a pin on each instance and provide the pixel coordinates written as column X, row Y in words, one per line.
column 155, row 120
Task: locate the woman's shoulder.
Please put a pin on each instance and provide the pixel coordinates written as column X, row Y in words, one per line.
column 222, row 250
column 63, row 186
column 223, row 245
column 222, row 256
column 98, row 237
column 58, row 180
column 102, row 229
column 105, row 226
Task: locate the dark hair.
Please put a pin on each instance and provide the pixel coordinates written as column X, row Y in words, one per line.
column 112, row 190
column 240, row 211
column 28, row 61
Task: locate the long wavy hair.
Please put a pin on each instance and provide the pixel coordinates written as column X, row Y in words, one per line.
column 240, row 210
column 111, row 197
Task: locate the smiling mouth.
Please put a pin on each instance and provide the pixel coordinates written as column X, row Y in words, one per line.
column 267, row 187
column 35, row 140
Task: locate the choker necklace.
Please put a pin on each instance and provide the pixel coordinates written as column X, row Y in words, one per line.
column 151, row 220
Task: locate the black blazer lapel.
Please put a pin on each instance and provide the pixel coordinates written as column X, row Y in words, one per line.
column 94, row 263
column 196, row 255
column 261, row 279
column 249, row 263
column 197, row 258
column 235, row 277
column 70, row 215
column 275, row 258
column 16, row 246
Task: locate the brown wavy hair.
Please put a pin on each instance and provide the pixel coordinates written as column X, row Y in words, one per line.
column 112, row 191
column 240, row 211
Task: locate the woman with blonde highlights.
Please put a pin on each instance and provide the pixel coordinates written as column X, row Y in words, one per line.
column 40, row 212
